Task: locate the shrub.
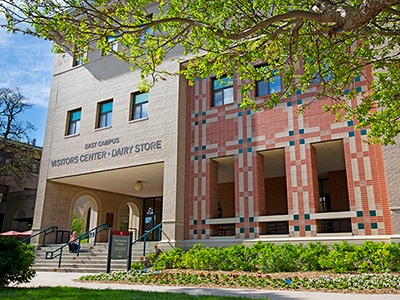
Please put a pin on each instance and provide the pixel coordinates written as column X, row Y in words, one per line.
column 169, row 260
column 137, row 266
column 77, row 223
column 310, row 255
column 16, row 260
column 269, row 257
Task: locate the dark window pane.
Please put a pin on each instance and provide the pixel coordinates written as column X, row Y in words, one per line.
column 262, row 88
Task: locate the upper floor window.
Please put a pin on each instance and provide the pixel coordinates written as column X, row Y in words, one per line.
column 105, row 114
column 113, row 44
column 148, row 31
column 74, row 121
column 222, row 91
column 140, row 104
column 79, row 59
column 267, row 86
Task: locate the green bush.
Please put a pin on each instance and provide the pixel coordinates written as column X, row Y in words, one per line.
column 169, row 260
column 269, row 257
column 16, row 260
column 77, row 223
column 137, row 266
column 310, row 255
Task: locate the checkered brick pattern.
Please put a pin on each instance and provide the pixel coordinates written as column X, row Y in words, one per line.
column 227, row 130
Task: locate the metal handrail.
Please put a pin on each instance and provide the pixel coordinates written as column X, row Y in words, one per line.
column 144, row 236
column 91, row 233
column 45, row 231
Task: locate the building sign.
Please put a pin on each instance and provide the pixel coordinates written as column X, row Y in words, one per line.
column 100, row 150
column 120, row 245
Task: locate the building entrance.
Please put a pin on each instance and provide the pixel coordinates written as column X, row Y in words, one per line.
column 152, row 214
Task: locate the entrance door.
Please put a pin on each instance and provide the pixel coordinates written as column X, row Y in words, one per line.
column 152, row 215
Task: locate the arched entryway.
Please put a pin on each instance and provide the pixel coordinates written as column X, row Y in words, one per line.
column 129, row 218
column 86, row 208
column 20, row 221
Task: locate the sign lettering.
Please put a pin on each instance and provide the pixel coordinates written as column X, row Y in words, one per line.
column 102, row 154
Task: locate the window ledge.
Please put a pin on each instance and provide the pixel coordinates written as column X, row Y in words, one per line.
column 138, row 120
column 72, row 135
column 103, row 128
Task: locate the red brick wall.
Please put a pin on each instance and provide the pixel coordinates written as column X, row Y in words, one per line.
column 314, row 203
column 338, row 190
column 226, row 198
column 214, row 189
column 276, row 196
column 260, row 205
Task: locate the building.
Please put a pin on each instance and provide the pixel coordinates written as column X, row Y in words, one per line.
column 212, row 173
column 17, row 197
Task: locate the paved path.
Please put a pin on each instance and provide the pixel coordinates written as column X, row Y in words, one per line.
column 67, row 279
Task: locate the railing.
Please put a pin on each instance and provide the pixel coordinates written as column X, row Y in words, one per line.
column 226, row 230
column 91, row 233
column 335, row 225
column 279, row 227
column 45, row 233
column 147, row 234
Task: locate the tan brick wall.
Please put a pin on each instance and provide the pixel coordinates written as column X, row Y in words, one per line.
column 84, row 87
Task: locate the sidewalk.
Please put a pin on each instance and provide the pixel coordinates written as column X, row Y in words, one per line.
column 67, row 279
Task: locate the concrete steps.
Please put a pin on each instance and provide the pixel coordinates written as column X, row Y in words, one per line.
column 91, row 259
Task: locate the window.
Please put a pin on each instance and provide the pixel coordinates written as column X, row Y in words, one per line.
column 74, row 122
column 79, row 59
column 269, row 86
column 222, row 91
column 148, row 31
column 140, row 104
column 105, row 114
column 113, row 44
column 324, row 72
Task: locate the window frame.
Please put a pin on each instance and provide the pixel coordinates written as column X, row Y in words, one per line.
column 268, row 83
column 222, row 88
column 113, row 43
column 141, row 104
column 78, row 60
column 107, row 114
column 75, row 123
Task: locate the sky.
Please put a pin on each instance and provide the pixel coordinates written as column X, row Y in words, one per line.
column 27, row 62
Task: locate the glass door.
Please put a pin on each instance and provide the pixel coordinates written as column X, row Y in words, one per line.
column 152, row 212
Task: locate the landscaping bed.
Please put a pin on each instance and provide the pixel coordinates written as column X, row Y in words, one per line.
column 297, row 281
column 345, row 268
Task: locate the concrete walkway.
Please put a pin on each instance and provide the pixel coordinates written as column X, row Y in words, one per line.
column 68, row 279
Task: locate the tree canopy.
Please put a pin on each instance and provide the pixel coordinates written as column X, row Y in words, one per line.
column 18, row 159
column 336, row 41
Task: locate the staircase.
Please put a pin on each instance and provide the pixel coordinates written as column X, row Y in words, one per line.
column 91, row 259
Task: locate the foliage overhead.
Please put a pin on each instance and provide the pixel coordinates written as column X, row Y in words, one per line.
column 335, row 41
column 18, row 159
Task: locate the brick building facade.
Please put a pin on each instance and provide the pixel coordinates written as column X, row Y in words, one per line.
column 211, row 172
column 279, row 175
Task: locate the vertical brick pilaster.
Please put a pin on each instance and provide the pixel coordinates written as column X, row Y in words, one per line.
column 259, row 187
column 313, row 182
column 213, row 190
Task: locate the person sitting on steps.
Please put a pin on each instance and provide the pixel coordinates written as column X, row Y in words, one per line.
column 73, row 243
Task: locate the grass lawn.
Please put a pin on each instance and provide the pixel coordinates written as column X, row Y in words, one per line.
column 64, row 293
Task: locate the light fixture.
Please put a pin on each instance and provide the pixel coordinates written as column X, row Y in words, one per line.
column 138, row 186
